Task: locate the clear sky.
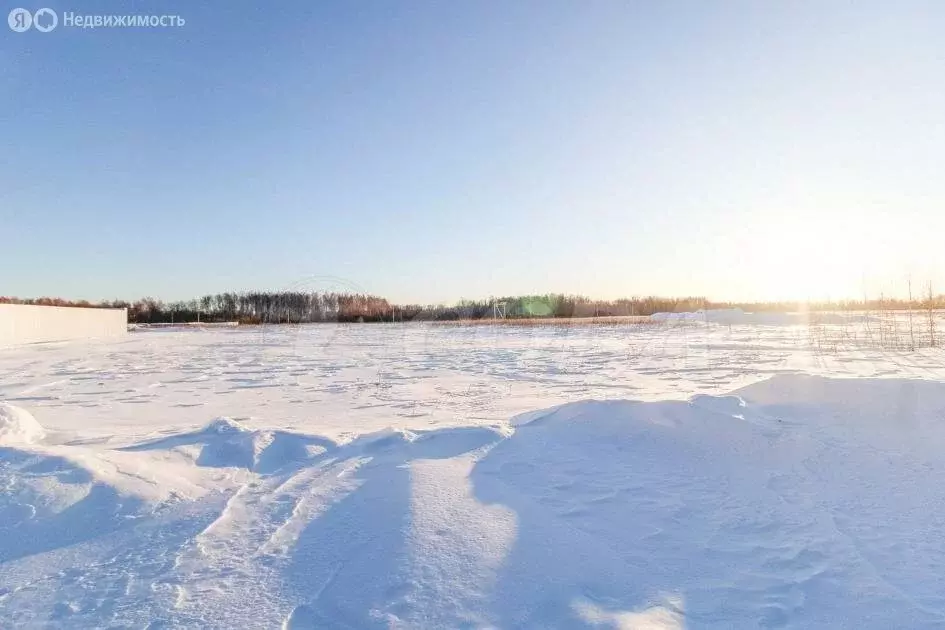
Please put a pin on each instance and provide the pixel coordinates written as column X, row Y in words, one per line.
column 433, row 151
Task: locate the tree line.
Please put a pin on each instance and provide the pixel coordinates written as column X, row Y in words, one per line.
column 271, row 307
column 265, row 307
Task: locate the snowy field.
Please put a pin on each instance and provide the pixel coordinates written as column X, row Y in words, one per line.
column 418, row 476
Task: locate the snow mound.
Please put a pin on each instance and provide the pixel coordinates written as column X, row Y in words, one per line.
column 229, row 444
column 226, row 443
column 18, row 426
column 385, row 439
column 675, row 513
column 224, row 425
column 280, row 450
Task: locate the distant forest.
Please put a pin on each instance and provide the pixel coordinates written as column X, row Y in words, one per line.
column 270, row 307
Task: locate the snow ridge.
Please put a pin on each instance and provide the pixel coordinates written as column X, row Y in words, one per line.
column 799, row 501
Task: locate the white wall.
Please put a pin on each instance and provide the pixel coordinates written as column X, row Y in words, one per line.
column 23, row 323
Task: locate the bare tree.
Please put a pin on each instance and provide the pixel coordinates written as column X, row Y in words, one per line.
column 911, row 330
column 931, row 317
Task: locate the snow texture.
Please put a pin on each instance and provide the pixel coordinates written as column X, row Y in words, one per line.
column 427, row 477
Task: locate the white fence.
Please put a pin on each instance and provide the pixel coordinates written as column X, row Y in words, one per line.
column 23, row 323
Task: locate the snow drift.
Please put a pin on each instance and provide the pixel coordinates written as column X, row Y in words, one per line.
column 800, row 501
column 18, row 426
column 796, row 502
column 225, row 443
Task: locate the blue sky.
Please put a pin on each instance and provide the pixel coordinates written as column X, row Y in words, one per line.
column 434, row 151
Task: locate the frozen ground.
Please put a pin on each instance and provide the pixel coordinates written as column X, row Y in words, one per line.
column 433, row 477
